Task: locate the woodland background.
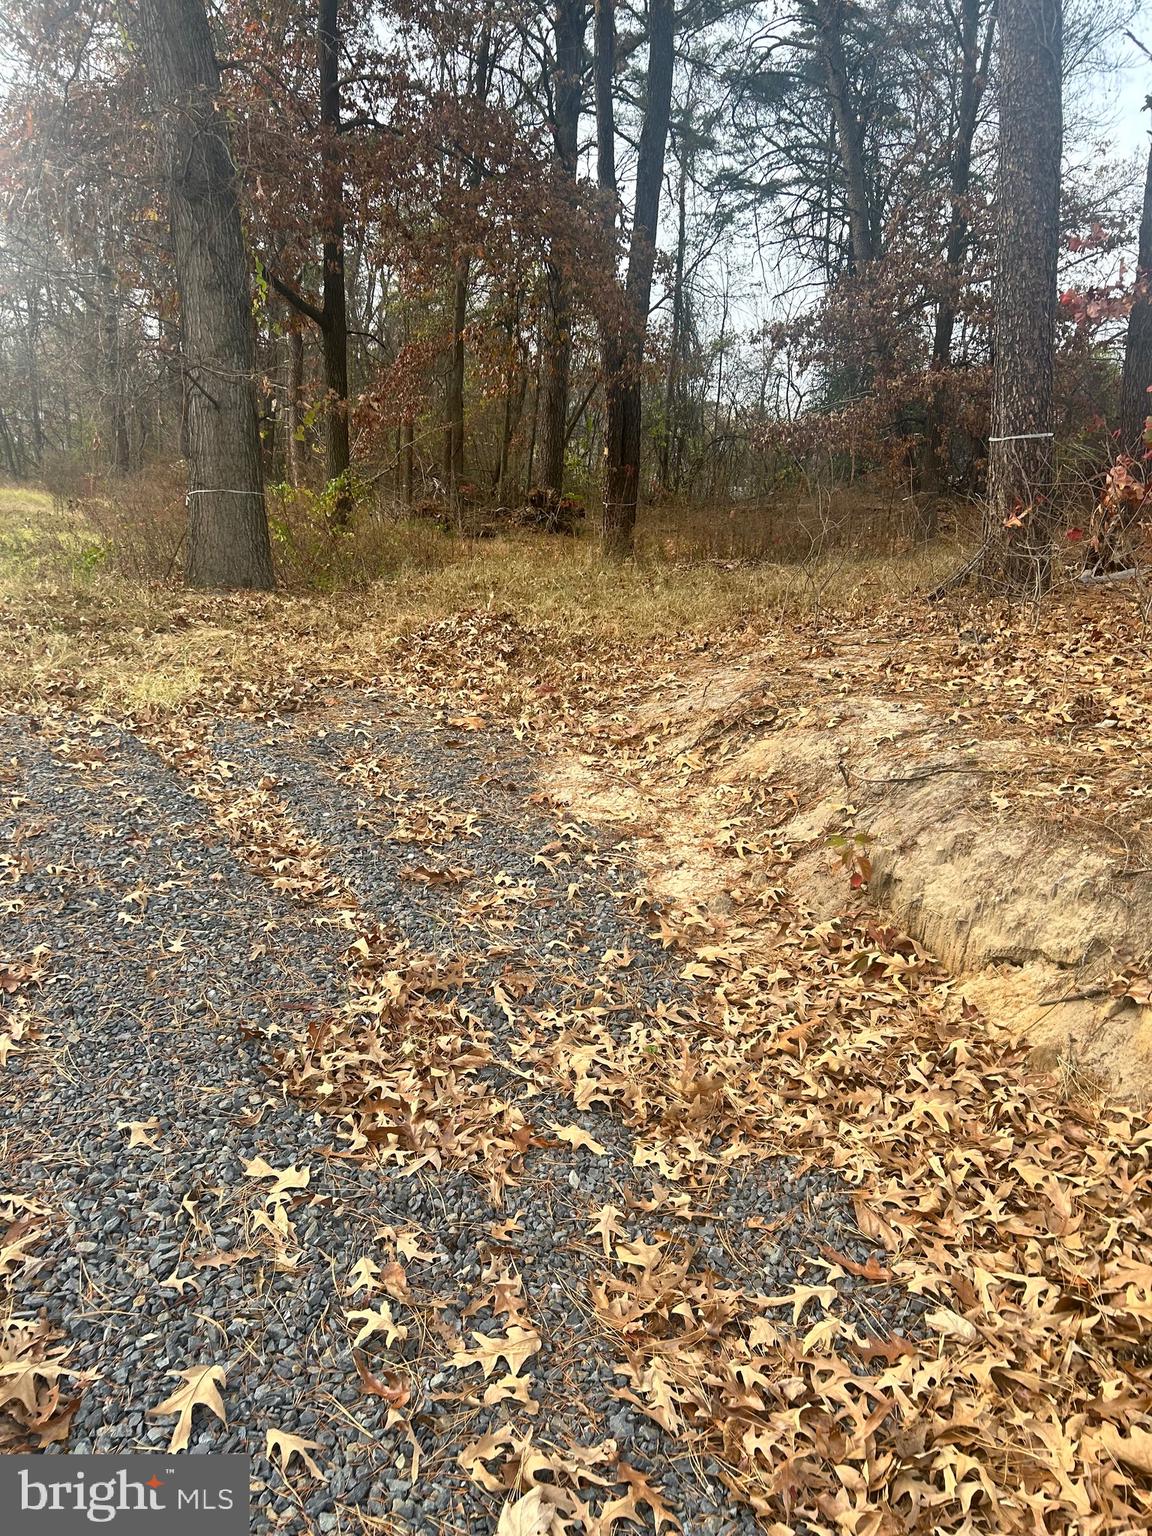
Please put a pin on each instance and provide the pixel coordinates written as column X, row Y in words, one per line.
column 735, row 262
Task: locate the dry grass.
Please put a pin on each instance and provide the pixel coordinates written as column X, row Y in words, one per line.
column 80, row 618
column 797, row 525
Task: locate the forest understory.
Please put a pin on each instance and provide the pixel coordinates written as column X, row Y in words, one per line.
column 458, row 1049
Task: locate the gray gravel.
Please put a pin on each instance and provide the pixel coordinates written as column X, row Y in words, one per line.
column 169, row 954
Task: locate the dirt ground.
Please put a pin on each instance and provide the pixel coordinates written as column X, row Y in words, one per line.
column 1022, row 863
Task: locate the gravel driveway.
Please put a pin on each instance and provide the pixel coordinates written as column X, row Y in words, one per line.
column 140, row 1108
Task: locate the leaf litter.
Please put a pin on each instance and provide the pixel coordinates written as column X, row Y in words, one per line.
column 1017, row 1218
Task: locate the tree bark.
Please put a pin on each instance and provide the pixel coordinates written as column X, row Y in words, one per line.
column 623, row 349
column 556, row 338
column 1114, row 516
column 1135, row 402
column 670, row 443
column 228, row 543
column 32, row 348
column 117, row 446
column 1018, row 526
column 829, row 26
column 975, row 54
column 293, row 416
column 334, row 296
column 454, row 394
column 479, row 85
column 12, row 455
column 409, row 461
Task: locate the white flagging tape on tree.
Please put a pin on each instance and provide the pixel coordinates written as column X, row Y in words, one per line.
column 188, row 495
column 1018, row 437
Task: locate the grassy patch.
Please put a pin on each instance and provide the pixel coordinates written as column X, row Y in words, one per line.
column 38, row 538
column 77, row 626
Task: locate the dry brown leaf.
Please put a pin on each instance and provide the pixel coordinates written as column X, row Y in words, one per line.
column 1133, row 1449
column 221, row 1258
column 410, row 1245
column 201, row 1389
column 394, row 1280
column 280, row 1446
column 376, row 1320
column 363, row 1275
column 285, row 1178
column 519, row 1345
column 950, row 1325
column 394, row 1389
column 473, row 1458
column 141, row 1133
column 526, row 1516
column 873, row 1225
column 573, row 1136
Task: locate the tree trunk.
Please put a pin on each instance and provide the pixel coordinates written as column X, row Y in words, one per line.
column 293, row 416
column 1135, row 402
column 334, row 299
column 973, row 77
column 32, row 354
column 556, row 329
column 454, row 393
column 228, row 543
column 409, row 461
column 12, row 455
column 849, row 131
column 535, row 421
column 117, row 445
column 500, row 478
column 555, row 376
column 480, row 83
column 1114, row 516
column 1017, row 553
column 669, row 450
column 623, row 351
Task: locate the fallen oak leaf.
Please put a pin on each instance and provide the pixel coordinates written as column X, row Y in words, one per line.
column 870, row 1271
column 201, row 1389
column 408, row 1246
column 395, row 1391
column 363, row 1275
column 394, row 1280
column 376, row 1320
column 528, row 1516
column 511, row 1388
column 141, row 1133
column 473, row 1457
column 454, row 874
column 503, row 1231
column 221, row 1258
column 1133, row 1449
column 607, row 1227
column 872, row 1224
column 892, row 1349
column 950, row 1325
column 57, row 1426
column 286, row 1178
column 640, row 1491
column 20, row 1382
column 179, row 1283
column 519, row 1345
column 281, row 1446
column 574, row 1137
